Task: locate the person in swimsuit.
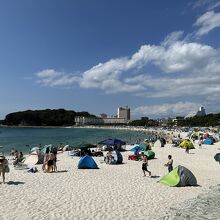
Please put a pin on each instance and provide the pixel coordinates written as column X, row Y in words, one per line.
column 169, row 164
column 144, row 166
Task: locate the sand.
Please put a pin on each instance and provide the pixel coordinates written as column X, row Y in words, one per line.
column 111, row 192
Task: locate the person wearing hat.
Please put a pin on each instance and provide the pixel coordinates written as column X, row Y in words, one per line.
column 3, row 166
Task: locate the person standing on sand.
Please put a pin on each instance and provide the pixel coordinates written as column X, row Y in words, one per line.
column 46, row 158
column 200, row 143
column 187, row 148
column 3, row 167
column 169, row 164
column 144, row 166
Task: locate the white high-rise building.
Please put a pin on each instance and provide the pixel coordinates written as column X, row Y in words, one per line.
column 200, row 112
column 124, row 112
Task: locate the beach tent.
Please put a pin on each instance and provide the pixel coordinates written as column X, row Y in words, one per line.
column 216, row 137
column 180, row 176
column 208, row 141
column 35, row 149
column 157, row 143
column 51, row 148
column 137, row 148
column 150, row 154
column 87, row 162
column 195, row 135
column 145, row 146
column 217, row 157
column 185, row 143
column 34, row 159
column 118, row 158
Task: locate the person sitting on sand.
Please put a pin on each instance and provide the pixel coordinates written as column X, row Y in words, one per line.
column 144, row 166
column 20, row 157
column 169, row 164
column 108, row 157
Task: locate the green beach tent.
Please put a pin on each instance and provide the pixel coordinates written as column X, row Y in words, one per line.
column 217, row 157
column 180, row 176
column 145, row 145
column 150, row 154
column 185, row 143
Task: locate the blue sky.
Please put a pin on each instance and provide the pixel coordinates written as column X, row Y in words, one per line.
column 160, row 58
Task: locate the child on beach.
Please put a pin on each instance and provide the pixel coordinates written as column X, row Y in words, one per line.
column 169, row 164
column 200, row 143
column 144, row 166
column 187, row 148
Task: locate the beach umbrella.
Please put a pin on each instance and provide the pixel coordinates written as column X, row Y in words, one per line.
column 217, row 157
column 137, row 148
column 112, row 142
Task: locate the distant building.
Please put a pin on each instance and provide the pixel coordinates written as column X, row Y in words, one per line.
column 103, row 115
column 177, row 121
column 200, row 112
column 124, row 112
column 82, row 120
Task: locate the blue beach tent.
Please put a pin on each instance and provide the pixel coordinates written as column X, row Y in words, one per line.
column 208, row 141
column 87, row 162
column 137, row 148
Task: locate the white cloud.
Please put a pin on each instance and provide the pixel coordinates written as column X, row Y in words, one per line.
column 184, row 69
column 50, row 77
column 214, row 5
column 207, row 4
column 207, row 22
column 166, row 110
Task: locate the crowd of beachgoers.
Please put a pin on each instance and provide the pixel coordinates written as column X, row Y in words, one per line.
column 123, row 184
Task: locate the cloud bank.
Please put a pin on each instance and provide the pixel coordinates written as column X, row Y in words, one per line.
column 182, row 68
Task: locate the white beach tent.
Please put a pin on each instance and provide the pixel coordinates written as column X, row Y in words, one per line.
column 157, row 143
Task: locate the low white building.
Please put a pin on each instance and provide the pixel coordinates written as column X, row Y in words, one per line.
column 82, row 120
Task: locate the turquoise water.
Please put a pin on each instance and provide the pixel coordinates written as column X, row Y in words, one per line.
column 18, row 138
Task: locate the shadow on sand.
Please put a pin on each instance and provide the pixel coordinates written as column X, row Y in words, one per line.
column 155, row 177
column 15, row 183
column 61, row 171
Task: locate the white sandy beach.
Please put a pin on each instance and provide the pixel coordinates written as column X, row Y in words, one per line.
column 111, row 192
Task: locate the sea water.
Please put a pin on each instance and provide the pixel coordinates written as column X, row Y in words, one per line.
column 23, row 139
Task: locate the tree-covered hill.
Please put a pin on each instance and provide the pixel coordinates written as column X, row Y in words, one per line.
column 47, row 117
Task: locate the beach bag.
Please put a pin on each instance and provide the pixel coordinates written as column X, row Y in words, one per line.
column 32, row 170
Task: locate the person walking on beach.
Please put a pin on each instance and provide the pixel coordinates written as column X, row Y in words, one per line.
column 3, row 167
column 169, row 164
column 144, row 166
